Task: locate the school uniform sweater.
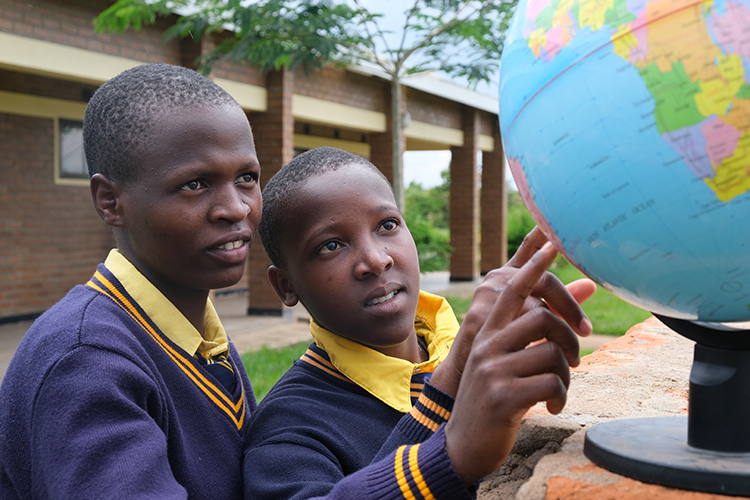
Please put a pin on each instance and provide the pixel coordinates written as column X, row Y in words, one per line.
column 318, row 434
column 99, row 403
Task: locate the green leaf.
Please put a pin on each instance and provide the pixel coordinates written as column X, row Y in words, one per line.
column 275, row 34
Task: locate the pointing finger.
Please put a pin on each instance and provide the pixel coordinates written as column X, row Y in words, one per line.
column 531, row 244
column 565, row 300
column 510, row 302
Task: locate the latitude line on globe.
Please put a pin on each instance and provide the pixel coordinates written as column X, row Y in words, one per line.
column 586, row 56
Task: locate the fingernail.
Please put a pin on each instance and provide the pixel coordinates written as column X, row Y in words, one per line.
column 547, row 247
column 586, row 327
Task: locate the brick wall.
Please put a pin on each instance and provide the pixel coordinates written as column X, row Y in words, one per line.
column 431, row 109
column 273, row 132
column 50, row 236
column 487, row 123
column 342, row 87
column 228, row 69
column 70, row 23
column 493, row 203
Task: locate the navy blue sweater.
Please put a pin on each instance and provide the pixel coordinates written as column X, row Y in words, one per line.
column 98, row 403
column 317, row 434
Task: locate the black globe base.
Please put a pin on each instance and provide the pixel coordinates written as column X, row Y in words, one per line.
column 709, row 450
column 655, row 450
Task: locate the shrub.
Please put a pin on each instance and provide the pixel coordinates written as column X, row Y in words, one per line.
column 427, row 214
column 520, row 221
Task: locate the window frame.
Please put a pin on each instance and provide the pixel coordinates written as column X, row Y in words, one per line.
column 46, row 107
column 60, row 176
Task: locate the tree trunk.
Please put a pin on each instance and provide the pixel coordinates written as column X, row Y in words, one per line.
column 396, row 131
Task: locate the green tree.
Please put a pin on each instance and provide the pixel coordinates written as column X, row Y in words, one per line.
column 463, row 38
column 269, row 34
column 520, row 221
column 427, row 216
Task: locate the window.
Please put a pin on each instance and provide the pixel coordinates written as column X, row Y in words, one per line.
column 72, row 158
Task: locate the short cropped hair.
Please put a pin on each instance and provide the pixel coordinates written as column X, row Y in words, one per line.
column 281, row 190
column 118, row 124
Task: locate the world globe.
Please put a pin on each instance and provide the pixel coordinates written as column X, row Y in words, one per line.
column 626, row 125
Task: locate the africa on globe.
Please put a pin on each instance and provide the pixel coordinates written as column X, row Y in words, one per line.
column 626, row 124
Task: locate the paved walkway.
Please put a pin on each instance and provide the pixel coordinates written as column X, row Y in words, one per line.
column 253, row 332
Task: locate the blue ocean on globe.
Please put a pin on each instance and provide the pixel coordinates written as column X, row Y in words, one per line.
column 626, row 125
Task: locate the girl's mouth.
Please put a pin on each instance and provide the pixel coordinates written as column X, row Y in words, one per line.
column 382, row 299
column 232, row 245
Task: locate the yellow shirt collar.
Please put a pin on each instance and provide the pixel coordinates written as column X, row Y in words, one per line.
column 387, row 378
column 167, row 317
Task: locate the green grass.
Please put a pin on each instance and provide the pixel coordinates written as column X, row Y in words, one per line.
column 266, row 366
column 460, row 306
column 609, row 314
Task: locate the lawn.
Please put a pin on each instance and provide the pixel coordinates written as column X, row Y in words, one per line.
column 266, row 366
column 609, row 314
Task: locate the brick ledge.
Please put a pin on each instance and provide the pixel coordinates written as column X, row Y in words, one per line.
column 644, row 373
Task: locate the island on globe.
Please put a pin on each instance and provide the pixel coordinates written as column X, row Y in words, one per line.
column 626, row 125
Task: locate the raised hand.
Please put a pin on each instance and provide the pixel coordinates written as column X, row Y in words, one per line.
column 503, row 377
column 547, row 292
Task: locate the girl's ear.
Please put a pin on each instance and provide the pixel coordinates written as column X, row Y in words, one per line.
column 283, row 286
column 104, row 194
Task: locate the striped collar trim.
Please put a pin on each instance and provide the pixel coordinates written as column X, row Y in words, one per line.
column 111, row 288
column 387, row 378
column 172, row 323
column 318, row 358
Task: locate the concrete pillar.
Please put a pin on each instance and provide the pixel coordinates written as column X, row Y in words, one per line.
column 273, row 132
column 464, row 200
column 494, row 207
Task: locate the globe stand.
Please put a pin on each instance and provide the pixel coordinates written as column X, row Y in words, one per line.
column 709, row 450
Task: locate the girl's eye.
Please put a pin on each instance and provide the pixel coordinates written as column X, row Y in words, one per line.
column 191, row 186
column 389, row 225
column 328, row 247
column 246, row 178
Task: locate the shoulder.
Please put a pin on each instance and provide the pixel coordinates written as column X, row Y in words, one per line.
column 79, row 336
column 311, row 385
column 84, row 317
column 311, row 396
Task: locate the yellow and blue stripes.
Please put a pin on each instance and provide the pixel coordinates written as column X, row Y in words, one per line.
column 408, row 475
column 429, row 413
column 235, row 411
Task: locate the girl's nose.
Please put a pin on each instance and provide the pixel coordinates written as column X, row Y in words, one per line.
column 230, row 205
column 373, row 262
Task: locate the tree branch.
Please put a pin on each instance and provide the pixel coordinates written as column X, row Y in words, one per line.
column 451, row 23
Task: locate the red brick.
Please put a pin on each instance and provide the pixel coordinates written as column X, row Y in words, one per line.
column 50, row 230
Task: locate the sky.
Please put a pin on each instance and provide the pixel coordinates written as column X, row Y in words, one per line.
column 424, row 167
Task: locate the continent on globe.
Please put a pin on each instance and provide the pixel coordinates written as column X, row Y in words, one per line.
column 627, row 128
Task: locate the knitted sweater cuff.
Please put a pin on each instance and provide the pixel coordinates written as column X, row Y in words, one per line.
column 433, row 408
column 419, row 471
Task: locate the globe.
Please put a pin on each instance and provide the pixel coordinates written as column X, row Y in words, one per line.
column 626, row 125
